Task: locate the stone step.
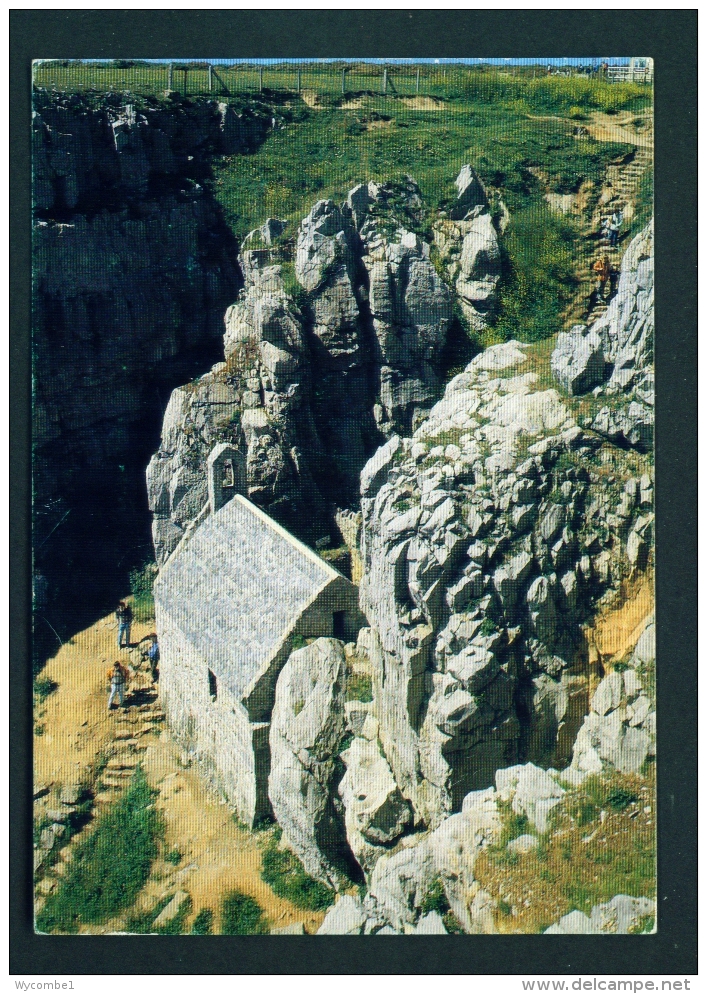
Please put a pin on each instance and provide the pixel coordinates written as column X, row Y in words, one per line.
column 113, row 782
column 106, row 797
column 126, row 764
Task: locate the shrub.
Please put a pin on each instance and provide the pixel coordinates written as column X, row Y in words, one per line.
column 174, row 856
column 282, row 871
column 141, row 581
column 111, row 866
column 203, row 923
column 359, row 688
column 436, row 900
column 242, row 915
column 43, row 687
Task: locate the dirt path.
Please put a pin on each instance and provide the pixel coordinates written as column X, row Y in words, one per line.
column 217, row 854
column 76, row 722
column 618, row 128
column 608, row 127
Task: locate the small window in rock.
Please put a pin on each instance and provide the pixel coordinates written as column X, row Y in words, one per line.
column 229, row 478
column 213, row 686
column 339, row 624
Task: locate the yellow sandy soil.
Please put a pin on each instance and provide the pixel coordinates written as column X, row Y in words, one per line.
column 617, row 630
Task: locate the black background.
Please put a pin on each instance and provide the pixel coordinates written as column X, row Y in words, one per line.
column 670, row 37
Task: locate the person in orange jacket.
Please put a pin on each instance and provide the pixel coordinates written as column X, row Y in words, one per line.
column 118, row 677
column 602, row 267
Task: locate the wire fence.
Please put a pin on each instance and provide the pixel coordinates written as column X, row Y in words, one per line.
column 199, row 79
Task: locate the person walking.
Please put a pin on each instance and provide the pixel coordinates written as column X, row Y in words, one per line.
column 615, row 222
column 602, row 268
column 124, row 615
column 118, row 678
column 153, row 654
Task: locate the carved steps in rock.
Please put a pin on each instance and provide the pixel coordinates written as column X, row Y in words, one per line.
column 626, row 181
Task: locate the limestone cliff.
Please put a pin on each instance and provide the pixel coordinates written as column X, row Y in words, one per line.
column 133, row 268
column 488, row 538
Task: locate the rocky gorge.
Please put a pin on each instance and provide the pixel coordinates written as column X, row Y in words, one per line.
column 493, row 507
column 496, row 520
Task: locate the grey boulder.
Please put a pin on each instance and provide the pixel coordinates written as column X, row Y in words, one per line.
column 308, row 724
column 578, row 360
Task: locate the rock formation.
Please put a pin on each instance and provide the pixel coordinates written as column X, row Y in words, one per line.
column 486, row 543
column 468, row 249
column 336, row 342
column 305, row 737
column 619, row 731
column 614, row 356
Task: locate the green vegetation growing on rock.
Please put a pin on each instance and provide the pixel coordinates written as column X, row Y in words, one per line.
column 111, row 866
column 283, row 871
column 141, row 581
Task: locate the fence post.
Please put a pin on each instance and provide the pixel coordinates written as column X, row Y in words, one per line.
column 260, row 78
column 169, row 78
column 210, row 82
column 417, row 81
column 385, row 80
column 186, row 73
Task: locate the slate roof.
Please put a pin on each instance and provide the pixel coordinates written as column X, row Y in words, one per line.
column 236, row 586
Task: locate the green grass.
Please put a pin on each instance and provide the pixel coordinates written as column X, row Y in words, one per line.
column 525, row 86
column 601, row 843
column 539, row 277
column 203, row 923
column 242, row 915
column 284, row 873
column 111, row 866
column 436, row 900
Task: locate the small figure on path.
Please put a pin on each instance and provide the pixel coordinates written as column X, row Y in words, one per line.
column 118, row 677
column 614, row 226
column 124, row 615
column 602, row 268
column 153, row 654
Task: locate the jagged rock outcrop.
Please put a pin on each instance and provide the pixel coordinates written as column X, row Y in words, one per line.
column 376, row 812
column 622, row 915
column 615, row 354
column 257, row 399
column 468, row 249
column 84, row 147
column 578, row 360
column 486, row 542
column 619, row 731
column 306, row 732
column 325, row 355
